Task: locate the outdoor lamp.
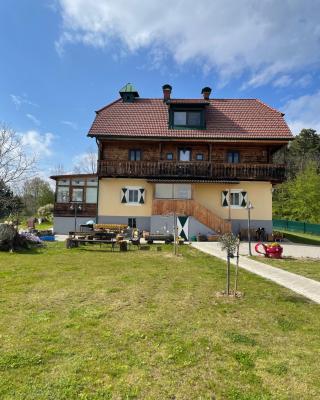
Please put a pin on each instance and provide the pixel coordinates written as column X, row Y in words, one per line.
column 249, row 207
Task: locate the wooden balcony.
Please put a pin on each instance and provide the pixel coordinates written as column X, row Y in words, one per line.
column 64, row 210
column 202, row 170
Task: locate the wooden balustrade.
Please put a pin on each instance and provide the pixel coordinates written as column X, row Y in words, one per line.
column 64, row 210
column 191, row 170
column 191, row 208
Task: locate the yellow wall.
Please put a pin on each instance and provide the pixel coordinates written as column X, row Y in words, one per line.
column 208, row 194
column 110, row 198
column 259, row 193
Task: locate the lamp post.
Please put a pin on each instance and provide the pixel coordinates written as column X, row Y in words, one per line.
column 249, row 208
column 76, row 207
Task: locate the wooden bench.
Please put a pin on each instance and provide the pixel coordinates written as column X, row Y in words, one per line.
column 74, row 242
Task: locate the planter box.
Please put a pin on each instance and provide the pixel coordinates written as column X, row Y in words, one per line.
column 213, row 238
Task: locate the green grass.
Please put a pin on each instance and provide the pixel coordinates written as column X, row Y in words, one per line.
column 43, row 227
column 91, row 324
column 304, row 238
column 305, row 267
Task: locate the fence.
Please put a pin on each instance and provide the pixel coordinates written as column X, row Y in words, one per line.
column 296, row 226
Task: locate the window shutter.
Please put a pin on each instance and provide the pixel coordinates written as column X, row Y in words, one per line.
column 225, row 198
column 142, row 195
column 243, row 199
column 124, row 195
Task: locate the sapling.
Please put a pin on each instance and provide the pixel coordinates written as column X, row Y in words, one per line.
column 229, row 242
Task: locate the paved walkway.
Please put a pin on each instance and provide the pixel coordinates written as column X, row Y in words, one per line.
column 297, row 283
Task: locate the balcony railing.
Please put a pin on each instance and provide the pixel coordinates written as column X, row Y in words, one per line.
column 201, row 170
column 65, row 210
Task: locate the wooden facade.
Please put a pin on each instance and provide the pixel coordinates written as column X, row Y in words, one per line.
column 216, row 152
column 65, row 210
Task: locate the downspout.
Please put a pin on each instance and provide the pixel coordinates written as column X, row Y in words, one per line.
column 97, row 210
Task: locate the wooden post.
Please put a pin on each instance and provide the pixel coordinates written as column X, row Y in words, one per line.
column 228, row 275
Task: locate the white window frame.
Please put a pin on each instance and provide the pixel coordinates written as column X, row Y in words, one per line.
column 133, row 203
column 237, row 207
column 173, row 191
column 235, row 191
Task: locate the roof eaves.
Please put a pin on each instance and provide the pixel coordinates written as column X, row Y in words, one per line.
column 271, row 108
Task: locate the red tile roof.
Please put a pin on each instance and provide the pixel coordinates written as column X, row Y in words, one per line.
column 225, row 119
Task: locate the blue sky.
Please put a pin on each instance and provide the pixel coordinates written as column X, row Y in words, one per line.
column 62, row 60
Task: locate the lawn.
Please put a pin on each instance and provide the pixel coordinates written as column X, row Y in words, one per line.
column 43, row 226
column 92, row 324
column 306, row 267
column 304, row 238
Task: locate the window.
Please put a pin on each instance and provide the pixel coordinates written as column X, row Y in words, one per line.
column 173, row 191
column 77, row 194
column 132, row 222
column 63, row 194
column 199, row 157
column 233, row 157
column 235, row 198
column 134, row 155
column 92, row 182
column 184, row 155
column 170, row 156
column 91, row 195
column 182, row 191
column 133, row 195
column 187, row 118
column 63, row 182
column 78, row 182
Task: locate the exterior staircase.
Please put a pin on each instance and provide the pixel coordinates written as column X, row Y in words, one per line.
column 191, row 208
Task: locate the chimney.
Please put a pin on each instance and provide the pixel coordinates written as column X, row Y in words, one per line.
column 166, row 92
column 206, row 92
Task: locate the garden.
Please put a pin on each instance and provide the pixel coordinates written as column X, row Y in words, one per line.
column 91, row 324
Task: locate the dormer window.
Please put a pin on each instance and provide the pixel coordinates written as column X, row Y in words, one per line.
column 188, row 119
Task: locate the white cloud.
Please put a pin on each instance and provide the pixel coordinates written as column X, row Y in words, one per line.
column 282, row 81
column 267, row 39
column 289, row 80
column 303, row 112
column 38, row 143
column 33, row 119
column 71, row 124
column 20, row 100
column 85, row 162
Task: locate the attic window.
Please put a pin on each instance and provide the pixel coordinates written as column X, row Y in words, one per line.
column 187, row 119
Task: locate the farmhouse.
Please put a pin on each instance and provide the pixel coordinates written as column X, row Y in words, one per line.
column 201, row 159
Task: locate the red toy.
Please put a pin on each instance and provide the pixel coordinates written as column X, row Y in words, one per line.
column 273, row 250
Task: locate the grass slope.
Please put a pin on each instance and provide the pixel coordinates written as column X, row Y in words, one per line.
column 304, row 238
column 91, row 324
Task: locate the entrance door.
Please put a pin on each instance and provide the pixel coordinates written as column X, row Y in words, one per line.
column 183, row 227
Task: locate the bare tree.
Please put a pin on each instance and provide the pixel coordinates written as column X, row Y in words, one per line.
column 15, row 162
column 58, row 170
column 86, row 163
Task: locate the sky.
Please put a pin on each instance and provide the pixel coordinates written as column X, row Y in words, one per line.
column 64, row 59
